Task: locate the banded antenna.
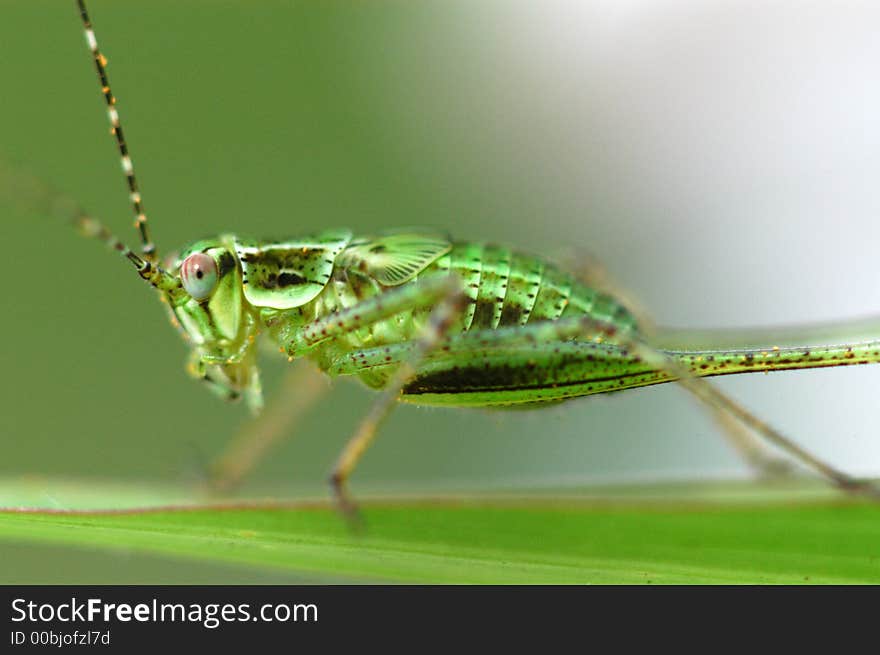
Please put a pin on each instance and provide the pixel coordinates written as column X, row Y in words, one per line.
column 146, row 264
column 148, row 249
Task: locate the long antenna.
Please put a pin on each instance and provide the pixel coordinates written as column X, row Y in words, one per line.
column 31, row 194
column 148, row 249
column 93, row 228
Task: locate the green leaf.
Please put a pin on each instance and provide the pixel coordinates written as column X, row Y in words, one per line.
column 667, row 534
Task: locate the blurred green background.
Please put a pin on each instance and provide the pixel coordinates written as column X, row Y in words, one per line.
column 721, row 162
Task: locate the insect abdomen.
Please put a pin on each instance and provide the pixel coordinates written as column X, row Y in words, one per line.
column 509, row 289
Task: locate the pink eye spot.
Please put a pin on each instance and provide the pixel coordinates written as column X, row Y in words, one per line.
column 199, row 275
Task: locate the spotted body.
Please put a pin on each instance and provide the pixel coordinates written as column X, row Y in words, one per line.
column 429, row 320
column 504, row 347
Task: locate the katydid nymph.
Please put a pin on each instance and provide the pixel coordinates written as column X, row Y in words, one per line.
column 426, row 319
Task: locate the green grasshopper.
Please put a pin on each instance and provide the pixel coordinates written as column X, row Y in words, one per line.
column 425, row 319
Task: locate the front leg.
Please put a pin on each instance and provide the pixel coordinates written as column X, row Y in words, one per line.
column 229, row 381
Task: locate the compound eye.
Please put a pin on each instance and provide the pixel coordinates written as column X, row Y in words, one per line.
column 199, row 275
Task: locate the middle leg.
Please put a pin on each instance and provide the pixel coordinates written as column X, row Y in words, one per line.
column 302, row 387
column 442, row 318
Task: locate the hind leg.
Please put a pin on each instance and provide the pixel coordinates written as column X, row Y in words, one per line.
column 548, row 364
column 742, row 438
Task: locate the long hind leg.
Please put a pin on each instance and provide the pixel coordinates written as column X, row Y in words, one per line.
column 717, row 401
column 536, row 346
column 742, row 438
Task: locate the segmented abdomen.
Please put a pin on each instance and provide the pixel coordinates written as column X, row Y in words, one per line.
column 507, row 288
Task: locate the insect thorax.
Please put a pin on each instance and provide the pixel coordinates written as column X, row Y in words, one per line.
column 505, row 289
